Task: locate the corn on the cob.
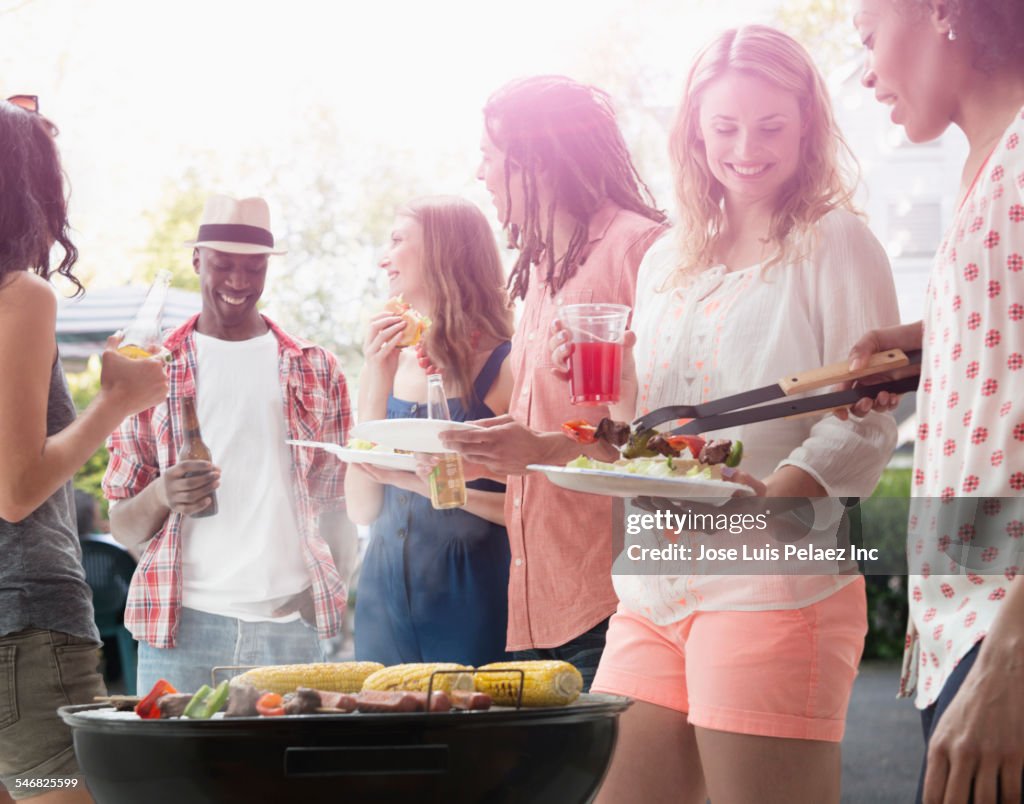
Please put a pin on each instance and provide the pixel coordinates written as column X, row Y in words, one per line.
column 545, row 683
column 327, row 676
column 416, row 677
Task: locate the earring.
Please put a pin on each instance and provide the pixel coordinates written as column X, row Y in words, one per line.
column 951, row 36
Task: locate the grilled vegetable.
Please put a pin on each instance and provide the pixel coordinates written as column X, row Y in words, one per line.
column 680, row 442
column 735, row 454
column 147, row 708
column 330, row 676
column 195, row 705
column 270, row 705
column 637, row 447
column 580, row 430
column 545, row 683
column 207, row 702
column 416, row 677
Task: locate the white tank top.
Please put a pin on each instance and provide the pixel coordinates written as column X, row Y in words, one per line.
column 246, row 560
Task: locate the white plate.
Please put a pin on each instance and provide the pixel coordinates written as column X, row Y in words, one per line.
column 415, row 435
column 384, row 458
column 623, row 484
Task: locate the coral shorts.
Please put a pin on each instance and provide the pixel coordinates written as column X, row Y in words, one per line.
column 780, row 673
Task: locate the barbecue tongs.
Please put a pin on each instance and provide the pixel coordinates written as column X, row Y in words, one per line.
column 731, row 411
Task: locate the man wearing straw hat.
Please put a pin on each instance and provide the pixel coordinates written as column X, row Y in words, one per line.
column 254, row 583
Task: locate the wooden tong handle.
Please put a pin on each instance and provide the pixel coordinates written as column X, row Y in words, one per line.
column 840, row 372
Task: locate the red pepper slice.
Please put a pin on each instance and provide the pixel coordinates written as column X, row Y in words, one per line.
column 693, row 443
column 270, row 704
column 581, row 431
column 147, row 708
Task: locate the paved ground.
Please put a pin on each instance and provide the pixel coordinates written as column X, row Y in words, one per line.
column 882, row 747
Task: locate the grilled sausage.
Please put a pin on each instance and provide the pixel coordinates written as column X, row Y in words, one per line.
column 470, row 700
column 386, row 701
column 337, row 700
column 439, row 701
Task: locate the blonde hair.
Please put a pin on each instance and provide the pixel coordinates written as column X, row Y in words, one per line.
column 820, row 184
column 466, row 283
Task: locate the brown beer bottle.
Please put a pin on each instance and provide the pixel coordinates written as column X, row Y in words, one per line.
column 195, row 449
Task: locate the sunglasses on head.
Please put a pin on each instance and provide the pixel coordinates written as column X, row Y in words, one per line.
column 29, row 103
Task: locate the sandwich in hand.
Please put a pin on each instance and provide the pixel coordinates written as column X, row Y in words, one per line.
column 416, row 325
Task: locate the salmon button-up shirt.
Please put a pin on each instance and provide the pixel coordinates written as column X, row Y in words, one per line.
column 560, row 579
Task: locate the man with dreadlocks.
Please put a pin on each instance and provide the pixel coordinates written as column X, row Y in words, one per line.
column 572, row 203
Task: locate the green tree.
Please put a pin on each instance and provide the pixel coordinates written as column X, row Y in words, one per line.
column 174, row 222
column 84, row 386
column 884, row 519
column 824, row 27
column 337, row 198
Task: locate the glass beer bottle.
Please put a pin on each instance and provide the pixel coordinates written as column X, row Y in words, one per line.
column 142, row 336
column 447, row 482
column 195, row 449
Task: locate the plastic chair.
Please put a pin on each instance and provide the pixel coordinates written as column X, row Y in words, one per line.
column 108, row 571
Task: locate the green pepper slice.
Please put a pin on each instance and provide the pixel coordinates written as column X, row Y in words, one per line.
column 735, row 454
column 216, row 700
column 195, row 706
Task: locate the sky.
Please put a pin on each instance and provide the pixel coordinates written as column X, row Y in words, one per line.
column 140, row 88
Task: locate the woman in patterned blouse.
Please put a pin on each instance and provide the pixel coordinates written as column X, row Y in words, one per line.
column 963, row 63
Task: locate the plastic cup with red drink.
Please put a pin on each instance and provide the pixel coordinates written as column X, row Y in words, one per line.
column 595, row 364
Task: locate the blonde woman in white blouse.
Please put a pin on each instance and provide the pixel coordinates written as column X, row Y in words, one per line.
column 741, row 683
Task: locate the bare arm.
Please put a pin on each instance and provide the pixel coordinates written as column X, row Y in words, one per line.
column 489, row 505
column 36, row 465
column 364, row 495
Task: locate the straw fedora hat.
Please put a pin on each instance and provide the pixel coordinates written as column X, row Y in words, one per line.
column 236, row 226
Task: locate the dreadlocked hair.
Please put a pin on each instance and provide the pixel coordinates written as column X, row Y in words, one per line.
column 826, row 173
column 568, row 131
column 33, row 207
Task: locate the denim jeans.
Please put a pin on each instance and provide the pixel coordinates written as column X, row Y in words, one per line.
column 584, row 652
column 206, row 641
column 40, row 671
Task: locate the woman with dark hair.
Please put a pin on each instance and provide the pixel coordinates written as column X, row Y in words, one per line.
column 565, row 189
column 432, row 586
column 961, row 62
column 48, row 640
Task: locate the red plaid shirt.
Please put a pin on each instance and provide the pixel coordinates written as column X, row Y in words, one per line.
column 316, row 408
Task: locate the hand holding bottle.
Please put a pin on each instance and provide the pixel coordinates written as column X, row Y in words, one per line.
column 142, row 336
column 189, row 488
column 131, row 386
